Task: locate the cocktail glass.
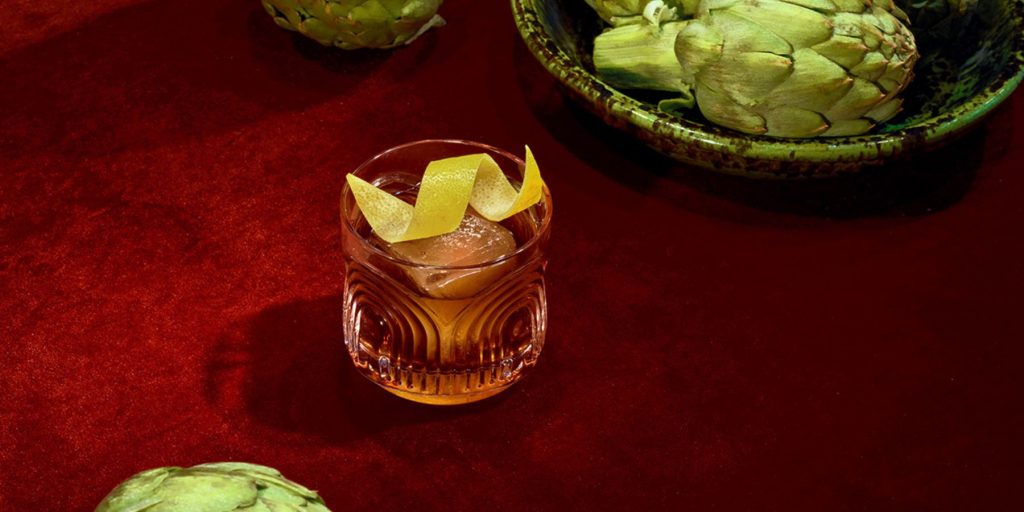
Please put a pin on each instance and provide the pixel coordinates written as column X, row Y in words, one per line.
column 446, row 332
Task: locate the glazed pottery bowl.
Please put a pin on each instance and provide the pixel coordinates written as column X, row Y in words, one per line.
column 965, row 71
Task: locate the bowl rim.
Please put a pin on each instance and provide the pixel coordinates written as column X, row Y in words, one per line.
column 873, row 148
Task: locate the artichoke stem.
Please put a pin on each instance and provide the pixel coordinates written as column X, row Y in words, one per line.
column 640, row 56
column 435, row 21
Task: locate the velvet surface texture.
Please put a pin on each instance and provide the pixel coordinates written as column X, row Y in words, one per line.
column 171, row 278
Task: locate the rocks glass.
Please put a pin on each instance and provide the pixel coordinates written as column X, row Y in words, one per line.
column 446, row 332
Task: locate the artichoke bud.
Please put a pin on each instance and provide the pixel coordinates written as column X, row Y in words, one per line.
column 785, row 68
column 351, row 24
column 216, row 487
column 794, row 68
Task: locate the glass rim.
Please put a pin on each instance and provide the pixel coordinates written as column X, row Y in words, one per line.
column 348, row 199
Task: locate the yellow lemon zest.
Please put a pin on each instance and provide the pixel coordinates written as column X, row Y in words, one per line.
column 447, row 187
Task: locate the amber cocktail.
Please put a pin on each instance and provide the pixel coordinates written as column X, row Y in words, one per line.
column 448, row 319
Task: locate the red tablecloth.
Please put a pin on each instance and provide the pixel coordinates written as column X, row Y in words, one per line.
column 170, row 278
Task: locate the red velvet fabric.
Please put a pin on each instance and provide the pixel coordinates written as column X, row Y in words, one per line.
column 170, row 278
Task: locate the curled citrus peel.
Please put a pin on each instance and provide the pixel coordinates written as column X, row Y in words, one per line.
column 447, row 187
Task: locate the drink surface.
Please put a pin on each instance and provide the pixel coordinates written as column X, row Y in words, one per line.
column 456, row 327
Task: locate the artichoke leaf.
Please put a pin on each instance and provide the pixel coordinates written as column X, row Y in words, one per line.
column 848, row 127
column 281, row 489
column 697, row 46
column 843, row 50
column 799, row 26
column 872, row 67
column 317, row 30
column 199, row 492
column 862, row 96
column 745, row 35
column 748, row 77
column 244, row 467
column 815, row 84
column 888, row 85
column 137, row 493
column 278, row 496
column 854, row 6
column 887, row 48
column 715, row 5
column 849, row 24
column 886, row 24
column 817, row 5
column 789, row 121
column 885, row 110
column 722, row 110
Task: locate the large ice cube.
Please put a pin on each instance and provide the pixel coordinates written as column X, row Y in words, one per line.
column 476, row 241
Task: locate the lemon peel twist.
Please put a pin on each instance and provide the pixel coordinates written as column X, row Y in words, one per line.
column 447, row 188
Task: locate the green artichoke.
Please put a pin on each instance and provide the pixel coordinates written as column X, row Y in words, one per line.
column 351, row 24
column 217, row 487
column 784, row 68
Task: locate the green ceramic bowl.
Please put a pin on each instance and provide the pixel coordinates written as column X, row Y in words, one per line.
column 965, row 71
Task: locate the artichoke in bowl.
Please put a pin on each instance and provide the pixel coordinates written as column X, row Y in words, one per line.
column 782, row 68
column 351, row 24
column 214, row 487
column 939, row 107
